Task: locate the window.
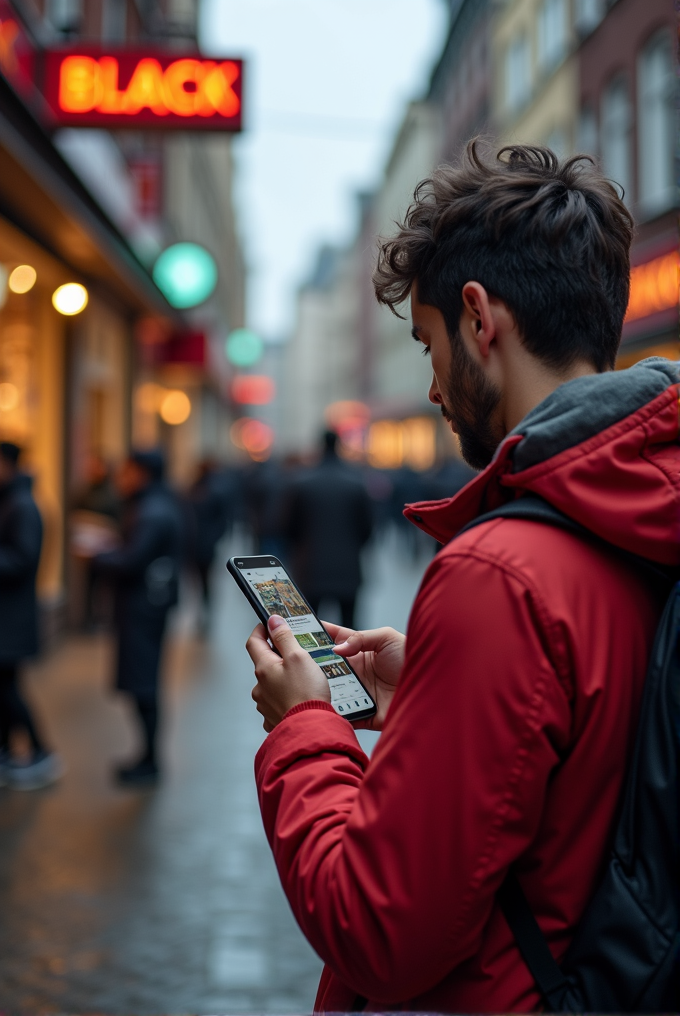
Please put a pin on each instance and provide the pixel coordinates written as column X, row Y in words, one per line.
column 65, row 15
column 616, row 120
column 589, row 14
column 655, row 125
column 114, row 20
column 552, row 32
column 517, row 72
column 587, row 132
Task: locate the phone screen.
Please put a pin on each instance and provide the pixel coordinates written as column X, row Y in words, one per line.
column 277, row 594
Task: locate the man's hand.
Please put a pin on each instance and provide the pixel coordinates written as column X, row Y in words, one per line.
column 283, row 681
column 378, row 657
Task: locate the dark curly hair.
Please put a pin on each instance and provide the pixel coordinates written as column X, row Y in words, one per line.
column 550, row 239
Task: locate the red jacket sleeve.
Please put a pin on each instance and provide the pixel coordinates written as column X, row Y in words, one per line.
column 391, row 868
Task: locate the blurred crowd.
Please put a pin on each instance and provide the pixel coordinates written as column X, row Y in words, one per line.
column 134, row 540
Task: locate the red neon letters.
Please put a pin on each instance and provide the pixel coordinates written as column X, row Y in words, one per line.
column 161, row 89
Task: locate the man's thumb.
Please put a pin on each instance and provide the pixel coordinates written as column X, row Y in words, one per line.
column 281, row 635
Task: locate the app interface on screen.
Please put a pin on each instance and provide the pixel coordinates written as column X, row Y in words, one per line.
column 278, row 595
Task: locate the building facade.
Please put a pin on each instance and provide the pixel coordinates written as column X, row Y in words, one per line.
column 534, row 84
column 628, row 115
column 161, row 188
column 598, row 77
column 96, row 208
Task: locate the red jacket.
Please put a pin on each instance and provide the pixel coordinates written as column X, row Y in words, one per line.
column 507, row 739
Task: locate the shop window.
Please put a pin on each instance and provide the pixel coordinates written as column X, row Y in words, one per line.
column 552, row 32
column 587, row 132
column 588, row 15
column 656, row 118
column 517, row 72
column 615, row 137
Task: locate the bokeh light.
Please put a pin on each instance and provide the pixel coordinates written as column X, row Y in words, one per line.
column 9, row 397
column 22, row 279
column 186, row 274
column 244, row 348
column 149, row 396
column 175, row 407
column 252, row 436
column 253, row 390
column 70, row 298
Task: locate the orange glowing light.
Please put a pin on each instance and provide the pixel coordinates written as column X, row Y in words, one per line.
column 252, row 436
column 187, row 87
column 653, row 286
column 175, row 407
column 253, row 390
column 347, row 415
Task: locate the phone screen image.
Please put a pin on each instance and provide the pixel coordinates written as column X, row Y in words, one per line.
column 276, row 593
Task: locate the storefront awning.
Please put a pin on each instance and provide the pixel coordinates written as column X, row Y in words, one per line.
column 42, row 196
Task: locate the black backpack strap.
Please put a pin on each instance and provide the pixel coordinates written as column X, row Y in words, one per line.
column 531, row 943
column 535, row 509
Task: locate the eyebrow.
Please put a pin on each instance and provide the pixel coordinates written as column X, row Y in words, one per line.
column 415, row 333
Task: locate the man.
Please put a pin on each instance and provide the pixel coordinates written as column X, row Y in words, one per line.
column 20, row 545
column 145, row 571
column 327, row 522
column 509, row 711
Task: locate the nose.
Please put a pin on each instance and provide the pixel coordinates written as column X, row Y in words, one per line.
column 433, row 394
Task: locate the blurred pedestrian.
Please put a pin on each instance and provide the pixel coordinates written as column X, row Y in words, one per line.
column 20, row 545
column 266, row 484
column 145, row 572
column 98, row 494
column 327, row 521
column 95, row 519
column 208, row 513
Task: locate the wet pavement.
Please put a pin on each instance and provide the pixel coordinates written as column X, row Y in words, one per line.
column 165, row 901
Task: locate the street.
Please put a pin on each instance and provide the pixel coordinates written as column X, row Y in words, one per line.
column 119, row 901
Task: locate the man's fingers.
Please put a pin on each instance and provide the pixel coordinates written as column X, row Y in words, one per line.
column 257, row 646
column 282, row 636
column 366, row 641
column 337, row 632
column 261, row 705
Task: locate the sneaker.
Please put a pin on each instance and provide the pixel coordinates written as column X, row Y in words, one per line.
column 142, row 774
column 44, row 769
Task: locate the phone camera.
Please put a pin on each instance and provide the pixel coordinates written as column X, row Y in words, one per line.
column 272, row 562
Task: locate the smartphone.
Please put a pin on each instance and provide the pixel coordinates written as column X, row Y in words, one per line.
column 270, row 590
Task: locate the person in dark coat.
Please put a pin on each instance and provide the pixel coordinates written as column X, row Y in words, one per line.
column 20, row 544
column 209, row 512
column 145, row 572
column 327, row 521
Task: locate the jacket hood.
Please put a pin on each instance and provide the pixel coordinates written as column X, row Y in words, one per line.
column 603, row 449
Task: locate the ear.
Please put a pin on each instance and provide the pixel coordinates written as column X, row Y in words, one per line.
column 477, row 304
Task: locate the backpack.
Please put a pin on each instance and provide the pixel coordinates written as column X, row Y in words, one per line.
column 625, row 952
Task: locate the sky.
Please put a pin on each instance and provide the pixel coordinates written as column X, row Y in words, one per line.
column 326, row 84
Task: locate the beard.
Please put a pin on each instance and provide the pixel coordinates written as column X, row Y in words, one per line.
column 469, row 406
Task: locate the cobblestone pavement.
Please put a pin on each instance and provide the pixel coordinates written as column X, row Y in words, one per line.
column 162, row 901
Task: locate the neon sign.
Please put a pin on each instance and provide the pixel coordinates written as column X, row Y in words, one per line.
column 653, row 286
column 123, row 89
column 17, row 55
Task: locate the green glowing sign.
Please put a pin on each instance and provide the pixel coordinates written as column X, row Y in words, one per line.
column 244, row 348
column 186, row 274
